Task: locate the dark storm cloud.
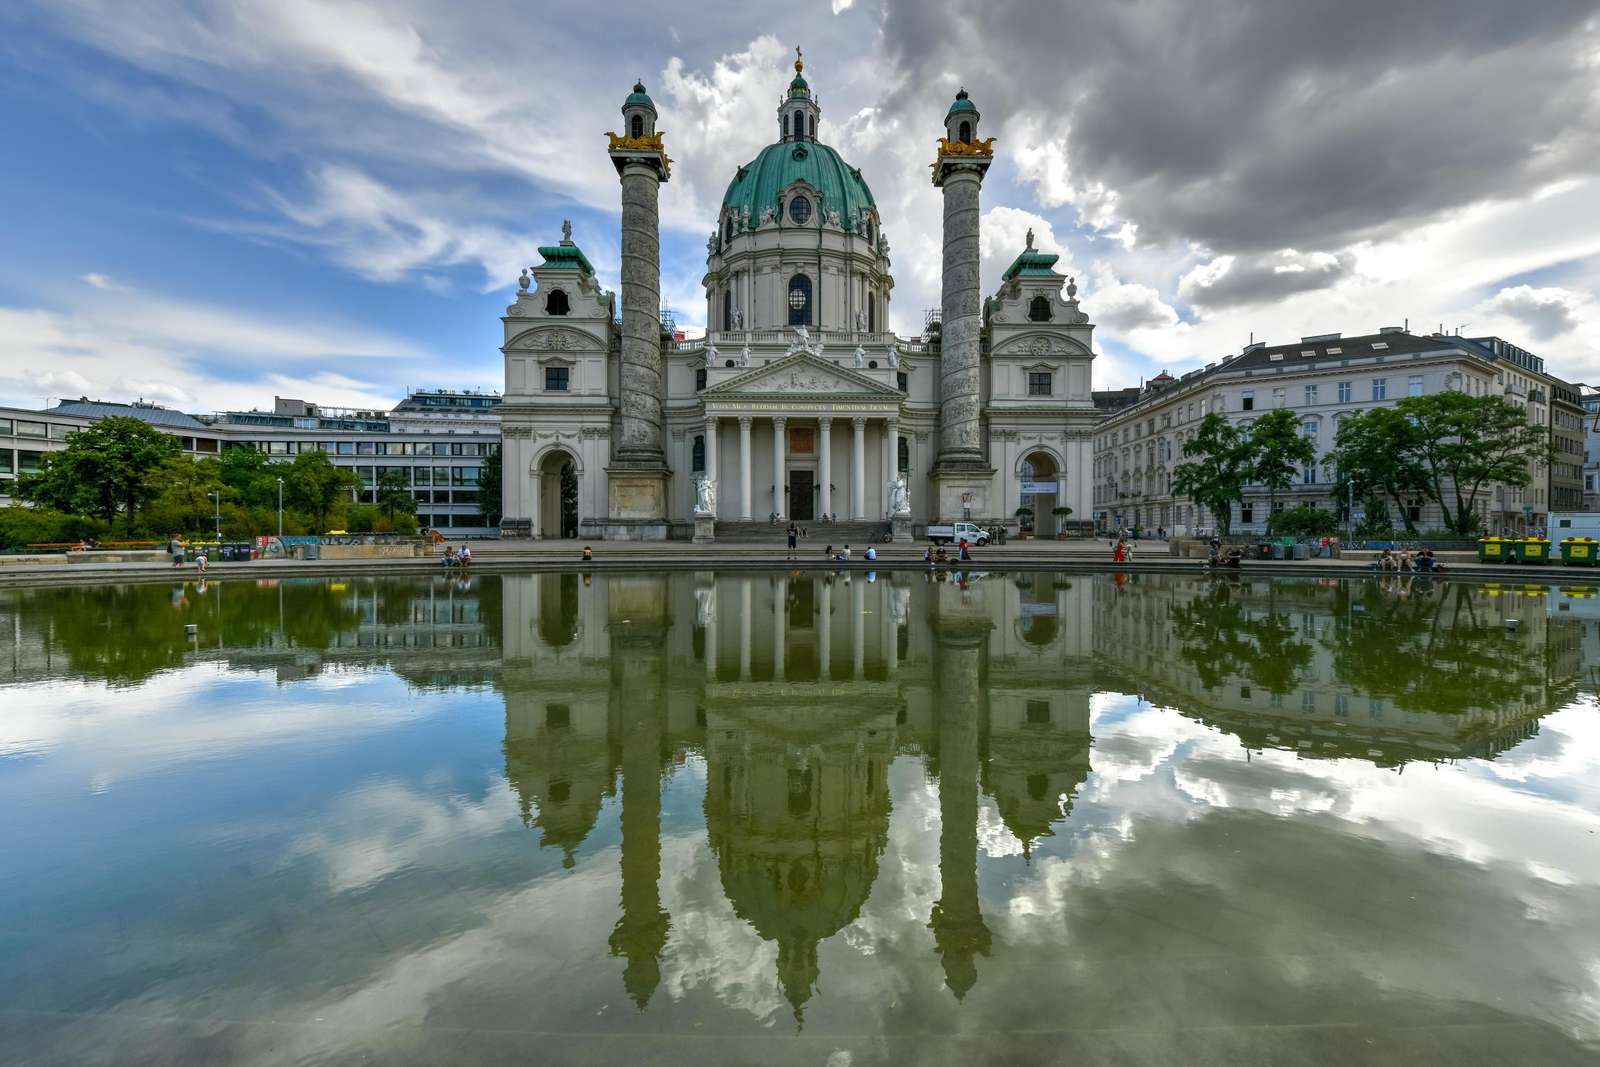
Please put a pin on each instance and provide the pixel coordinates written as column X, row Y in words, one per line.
column 1258, row 126
column 1236, row 281
column 1546, row 313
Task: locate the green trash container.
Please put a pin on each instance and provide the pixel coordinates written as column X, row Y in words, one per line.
column 1579, row 551
column 1534, row 550
column 1495, row 550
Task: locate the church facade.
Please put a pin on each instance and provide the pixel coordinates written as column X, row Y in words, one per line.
column 799, row 402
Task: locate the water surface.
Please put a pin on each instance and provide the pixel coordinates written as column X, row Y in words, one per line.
column 800, row 819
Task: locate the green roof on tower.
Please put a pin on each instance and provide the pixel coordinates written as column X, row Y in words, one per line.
column 962, row 103
column 639, row 97
column 758, row 183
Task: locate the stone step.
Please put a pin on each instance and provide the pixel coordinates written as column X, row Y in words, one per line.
column 818, row 533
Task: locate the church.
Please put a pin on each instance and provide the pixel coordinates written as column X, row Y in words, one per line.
column 799, row 403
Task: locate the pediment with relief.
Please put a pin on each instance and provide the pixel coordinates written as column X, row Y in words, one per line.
column 554, row 339
column 803, row 374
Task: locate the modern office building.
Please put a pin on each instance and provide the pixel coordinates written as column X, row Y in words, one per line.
column 438, row 439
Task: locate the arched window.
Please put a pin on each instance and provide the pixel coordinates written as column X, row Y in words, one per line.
column 727, row 309
column 697, row 456
column 965, row 136
column 904, row 458
column 812, row 126
column 786, row 127
column 872, row 313
column 1039, row 309
column 556, row 303
column 636, row 126
column 799, row 300
column 727, row 229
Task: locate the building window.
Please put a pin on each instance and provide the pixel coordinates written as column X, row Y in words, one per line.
column 1038, row 383
column 30, row 429
column 1380, row 388
column 903, row 381
column 727, row 309
column 964, row 134
column 1039, row 309
column 1278, row 397
column 1247, row 514
column 636, row 126
column 1247, row 400
column 1414, row 385
column 1309, row 475
column 555, row 379
column 799, row 296
column 556, row 303
column 697, row 454
column 699, row 378
column 811, row 126
column 1311, row 395
column 903, row 455
column 799, row 209
column 786, row 127
column 1344, row 392
column 727, row 229
column 872, row 313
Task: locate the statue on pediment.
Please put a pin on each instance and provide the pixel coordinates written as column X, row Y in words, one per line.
column 899, row 497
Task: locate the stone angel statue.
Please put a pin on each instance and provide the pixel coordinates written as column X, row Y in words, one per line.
column 861, row 357
column 899, row 497
column 705, row 496
column 712, row 355
column 744, row 355
column 891, row 355
column 861, row 321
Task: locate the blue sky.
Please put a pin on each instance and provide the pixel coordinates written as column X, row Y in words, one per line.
column 211, row 204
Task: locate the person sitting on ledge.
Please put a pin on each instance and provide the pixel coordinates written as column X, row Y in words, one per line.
column 450, row 556
column 843, row 556
column 872, row 553
column 588, row 554
column 927, row 555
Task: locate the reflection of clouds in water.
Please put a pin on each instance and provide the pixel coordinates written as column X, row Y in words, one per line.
column 994, row 838
column 199, row 713
column 385, row 827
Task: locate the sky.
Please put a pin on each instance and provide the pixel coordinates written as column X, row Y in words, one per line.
column 209, row 204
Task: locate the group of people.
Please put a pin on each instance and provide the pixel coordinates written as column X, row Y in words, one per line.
column 1423, row 562
column 935, row 555
column 457, row 558
column 843, row 555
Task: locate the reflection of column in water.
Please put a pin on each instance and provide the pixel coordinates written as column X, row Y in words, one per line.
column 957, row 921
column 780, row 625
column 858, row 627
column 711, row 629
column 638, row 692
column 744, row 629
column 825, row 629
column 886, row 626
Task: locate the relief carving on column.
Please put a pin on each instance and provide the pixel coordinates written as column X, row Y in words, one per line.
column 516, row 431
column 859, row 422
column 745, row 421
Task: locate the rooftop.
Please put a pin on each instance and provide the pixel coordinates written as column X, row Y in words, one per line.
column 154, row 414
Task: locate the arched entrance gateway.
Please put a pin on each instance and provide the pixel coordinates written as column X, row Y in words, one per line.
column 557, row 474
column 1039, row 484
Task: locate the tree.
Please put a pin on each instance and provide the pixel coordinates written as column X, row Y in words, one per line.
column 1215, row 478
column 251, row 477
column 316, row 486
column 1375, row 456
column 394, row 497
column 108, row 467
column 1278, row 450
column 1467, row 443
column 490, row 479
column 185, row 501
column 1304, row 521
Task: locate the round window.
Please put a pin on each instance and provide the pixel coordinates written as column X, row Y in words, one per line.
column 797, row 298
column 872, row 364
column 799, row 210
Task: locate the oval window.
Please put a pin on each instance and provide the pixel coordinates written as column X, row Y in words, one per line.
column 799, row 210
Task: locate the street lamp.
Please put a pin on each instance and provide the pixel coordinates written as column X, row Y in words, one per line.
column 217, row 500
column 280, row 509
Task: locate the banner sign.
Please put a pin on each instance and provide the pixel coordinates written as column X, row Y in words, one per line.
column 1030, row 488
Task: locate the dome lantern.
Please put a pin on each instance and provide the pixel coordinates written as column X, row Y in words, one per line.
column 798, row 111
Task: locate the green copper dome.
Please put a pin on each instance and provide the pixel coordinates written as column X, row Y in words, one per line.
column 961, row 104
column 639, row 97
column 799, row 85
column 759, row 182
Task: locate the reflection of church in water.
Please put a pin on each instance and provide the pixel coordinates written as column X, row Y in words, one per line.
column 800, row 692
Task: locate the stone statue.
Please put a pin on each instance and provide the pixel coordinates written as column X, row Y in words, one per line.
column 566, row 231
column 861, row 357
column 861, row 321
column 892, row 356
column 767, row 215
column 738, row 318
column 711, row 245
column 1072, row 288
column 1030, row 238
column 744, row 355
column 705, row 496
column 522, row 282
column 712, row 355
column 899, row 497
column 833, row 217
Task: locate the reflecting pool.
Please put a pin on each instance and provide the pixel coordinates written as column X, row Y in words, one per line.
column 794, row 818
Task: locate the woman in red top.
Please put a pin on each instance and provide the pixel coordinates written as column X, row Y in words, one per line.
column 1120, row 553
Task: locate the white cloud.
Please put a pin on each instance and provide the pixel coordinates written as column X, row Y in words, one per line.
column 104, row 281
column 1546, row 313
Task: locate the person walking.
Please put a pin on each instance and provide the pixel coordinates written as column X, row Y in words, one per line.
column 794, row 533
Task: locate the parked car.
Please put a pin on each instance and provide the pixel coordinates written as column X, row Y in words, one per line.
column 952, row 532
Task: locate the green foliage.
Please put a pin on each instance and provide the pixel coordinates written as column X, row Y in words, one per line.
column 1375, row 454
column 251, row 477
column 1278, row 450
column 395, row 500
column 491, row 478
column 317, row 487
column 1215, row 477
column 1305, row 521
column 108, row 468
column 1467, row 443
column 184, row 503
column 1061, row 512
column 1375, row 523
column 21, row 527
